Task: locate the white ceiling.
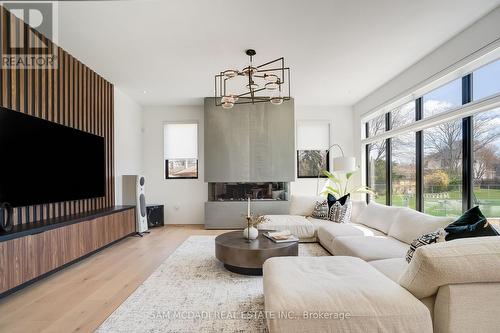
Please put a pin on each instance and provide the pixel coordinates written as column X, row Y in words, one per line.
column 338, row 51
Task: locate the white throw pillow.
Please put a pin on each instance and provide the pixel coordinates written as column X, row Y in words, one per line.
column 357, row 207
column 378, row 216
column 411, row 224
column 303, row 204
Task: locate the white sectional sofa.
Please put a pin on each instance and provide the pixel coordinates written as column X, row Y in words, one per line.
column 375, row 231
column 448, row 287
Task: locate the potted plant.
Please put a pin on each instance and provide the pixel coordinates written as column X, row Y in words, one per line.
column 339, row 186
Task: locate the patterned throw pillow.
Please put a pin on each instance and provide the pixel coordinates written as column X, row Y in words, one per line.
column 320, row 210
column 341, row 213
column 433, row 237
column 332, row 199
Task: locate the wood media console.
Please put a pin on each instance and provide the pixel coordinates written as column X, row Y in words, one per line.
column 32, row 251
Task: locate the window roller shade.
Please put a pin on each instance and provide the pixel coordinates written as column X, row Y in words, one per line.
column 313, row 136
column 181, row 141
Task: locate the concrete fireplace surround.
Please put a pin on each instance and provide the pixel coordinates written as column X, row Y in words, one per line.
column 247, row 144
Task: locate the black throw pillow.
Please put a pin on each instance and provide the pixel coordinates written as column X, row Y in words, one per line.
column 471, row 224
column 332, row 199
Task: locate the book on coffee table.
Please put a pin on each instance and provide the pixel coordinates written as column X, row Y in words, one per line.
column 280, row 236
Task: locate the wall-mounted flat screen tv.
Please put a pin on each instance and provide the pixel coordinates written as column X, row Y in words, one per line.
column 44, row 162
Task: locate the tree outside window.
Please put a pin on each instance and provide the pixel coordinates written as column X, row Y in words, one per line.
column 310, row 163
column 486, row 162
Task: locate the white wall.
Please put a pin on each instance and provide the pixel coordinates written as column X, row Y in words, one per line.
column 128, row 140
column 341, row 118
column 471, row 43
column 477, row 36
column 184, row 199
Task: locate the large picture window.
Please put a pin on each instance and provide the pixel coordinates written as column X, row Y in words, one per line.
column 403, row 115
column 486, row 81
column 403, row 171
column 442, row 163
column 181, row 150
column 377, row 170
column 376, row 126
column 486, row 162
column 443, row 98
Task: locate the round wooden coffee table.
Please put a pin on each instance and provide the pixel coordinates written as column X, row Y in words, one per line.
column 242, row 257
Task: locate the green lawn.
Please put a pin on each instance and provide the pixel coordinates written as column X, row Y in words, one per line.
column 492, row 194
column 487, row 199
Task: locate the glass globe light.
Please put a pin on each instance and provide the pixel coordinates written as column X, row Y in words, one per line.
column 272, row 86
column 252, row 86
column 230, row 73
column 271, row 78
column 276, row 100
column 227, row 105
column 227, row 99
column 249, row 71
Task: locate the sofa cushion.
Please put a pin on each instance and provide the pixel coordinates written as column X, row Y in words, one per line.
column 357, row 208
column 466, row 260
column 338, row 286
column 347, row 229
column 317, row 223
column 326, row 233
column 429, row 303
column 369, row 247
column 303, row 204
column 378, row 216
column 411, row 224
column 392, row 268
column 297, row 225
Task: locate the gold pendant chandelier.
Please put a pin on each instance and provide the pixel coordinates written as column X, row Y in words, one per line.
column 266, row 83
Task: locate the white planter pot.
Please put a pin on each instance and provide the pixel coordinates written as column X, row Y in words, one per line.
column 250, row 233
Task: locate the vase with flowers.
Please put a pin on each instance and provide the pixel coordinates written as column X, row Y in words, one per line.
column 251, row 232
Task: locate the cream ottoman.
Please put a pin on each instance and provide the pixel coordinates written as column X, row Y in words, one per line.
column 337, row 294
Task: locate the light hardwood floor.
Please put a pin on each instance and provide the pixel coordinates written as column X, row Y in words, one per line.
column 80, row 297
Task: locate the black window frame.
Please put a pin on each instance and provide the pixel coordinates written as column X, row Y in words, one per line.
column 467, row 152
column 316, row 176
column 169, row 177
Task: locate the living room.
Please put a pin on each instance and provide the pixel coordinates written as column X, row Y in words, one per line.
column 273, row 166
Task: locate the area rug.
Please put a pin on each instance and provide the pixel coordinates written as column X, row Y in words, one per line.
column 192, row 292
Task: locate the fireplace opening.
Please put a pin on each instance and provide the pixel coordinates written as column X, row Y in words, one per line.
column 270, row 191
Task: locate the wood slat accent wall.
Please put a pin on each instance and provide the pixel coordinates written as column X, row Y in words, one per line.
column 71, row 95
